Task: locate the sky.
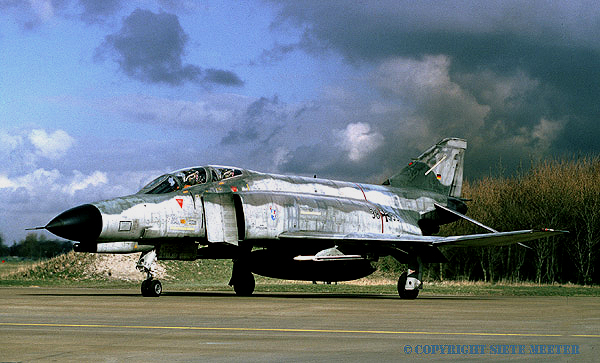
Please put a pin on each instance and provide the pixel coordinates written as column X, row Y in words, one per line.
column 99, row 97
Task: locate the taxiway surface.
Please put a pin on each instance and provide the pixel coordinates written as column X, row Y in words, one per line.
column 57, row 324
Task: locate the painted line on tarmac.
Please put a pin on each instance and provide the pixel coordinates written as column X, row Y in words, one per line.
column 286, row 330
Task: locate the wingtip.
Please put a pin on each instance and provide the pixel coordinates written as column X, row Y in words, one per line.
column 550, row 230
column 35, row 228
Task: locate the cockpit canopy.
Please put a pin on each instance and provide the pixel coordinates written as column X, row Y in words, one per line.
column 185, row 178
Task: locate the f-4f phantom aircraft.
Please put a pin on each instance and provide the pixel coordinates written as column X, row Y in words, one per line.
column 287, row 227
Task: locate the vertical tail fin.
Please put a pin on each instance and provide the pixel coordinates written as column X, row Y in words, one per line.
column 439, row 169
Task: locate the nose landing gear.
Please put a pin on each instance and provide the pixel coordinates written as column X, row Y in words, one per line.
column 150, row 287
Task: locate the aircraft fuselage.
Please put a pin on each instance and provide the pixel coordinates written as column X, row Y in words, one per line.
column 258, row 207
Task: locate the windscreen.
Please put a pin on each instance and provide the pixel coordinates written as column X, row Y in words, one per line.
column 180, row 179
column 163, row 184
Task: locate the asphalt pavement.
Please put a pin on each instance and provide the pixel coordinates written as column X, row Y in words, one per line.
column 78, row 324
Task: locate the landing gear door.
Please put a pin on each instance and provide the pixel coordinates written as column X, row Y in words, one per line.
column 221, row 221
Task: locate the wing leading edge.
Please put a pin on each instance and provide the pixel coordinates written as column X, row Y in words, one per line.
column 472, row 240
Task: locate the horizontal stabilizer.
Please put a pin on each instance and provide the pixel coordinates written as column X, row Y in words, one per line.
column 497, row 238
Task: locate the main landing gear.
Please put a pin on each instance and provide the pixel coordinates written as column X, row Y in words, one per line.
column 242, row 279
column 150, row 287
column 409, row 282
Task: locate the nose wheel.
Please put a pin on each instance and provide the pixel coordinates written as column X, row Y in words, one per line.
column 151, row 288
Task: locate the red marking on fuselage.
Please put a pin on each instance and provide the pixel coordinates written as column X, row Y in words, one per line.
column 378, row 210
column 361, row 189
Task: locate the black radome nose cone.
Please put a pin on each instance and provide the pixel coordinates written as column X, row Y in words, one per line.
column 83, row 223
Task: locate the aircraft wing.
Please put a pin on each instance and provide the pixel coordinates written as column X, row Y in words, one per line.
column 472, row 240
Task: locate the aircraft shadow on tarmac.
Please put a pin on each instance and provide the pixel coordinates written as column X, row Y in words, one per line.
column 292, row 295
column 279, row 295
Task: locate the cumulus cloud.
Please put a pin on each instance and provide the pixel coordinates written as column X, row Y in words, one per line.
column 358, row 140
column 34, row 180
column 45, row 192
column 39, row 179
column 433, row 106
column 51, row 146
column 82, row 182
column 33, row 13
column 150, row 47
column 6, row 183
column 21, row 150
column 38, row 147
column 547, row 130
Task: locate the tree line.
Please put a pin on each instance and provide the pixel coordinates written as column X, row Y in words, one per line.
column 35, row 247
column 558, row 194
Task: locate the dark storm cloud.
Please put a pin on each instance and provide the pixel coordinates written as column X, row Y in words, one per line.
column 150, row 47
column 261, row 120
column 518, row 79
column 219, row 76
column 375, row 30
column 94, row 11
column 276, row 54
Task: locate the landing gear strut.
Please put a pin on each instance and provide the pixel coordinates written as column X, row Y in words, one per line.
column 150, row 287
column 409, row 282
column 242, row 279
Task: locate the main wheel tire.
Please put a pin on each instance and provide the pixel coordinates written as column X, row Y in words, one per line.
column 244, row 284
column 406, row 294
column 151, row 288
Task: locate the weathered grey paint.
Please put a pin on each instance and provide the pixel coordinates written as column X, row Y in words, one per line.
column 295, row 222
column 271, row 204
column 220, row 215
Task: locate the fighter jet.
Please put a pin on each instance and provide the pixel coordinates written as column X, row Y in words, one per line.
column 288, row 227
